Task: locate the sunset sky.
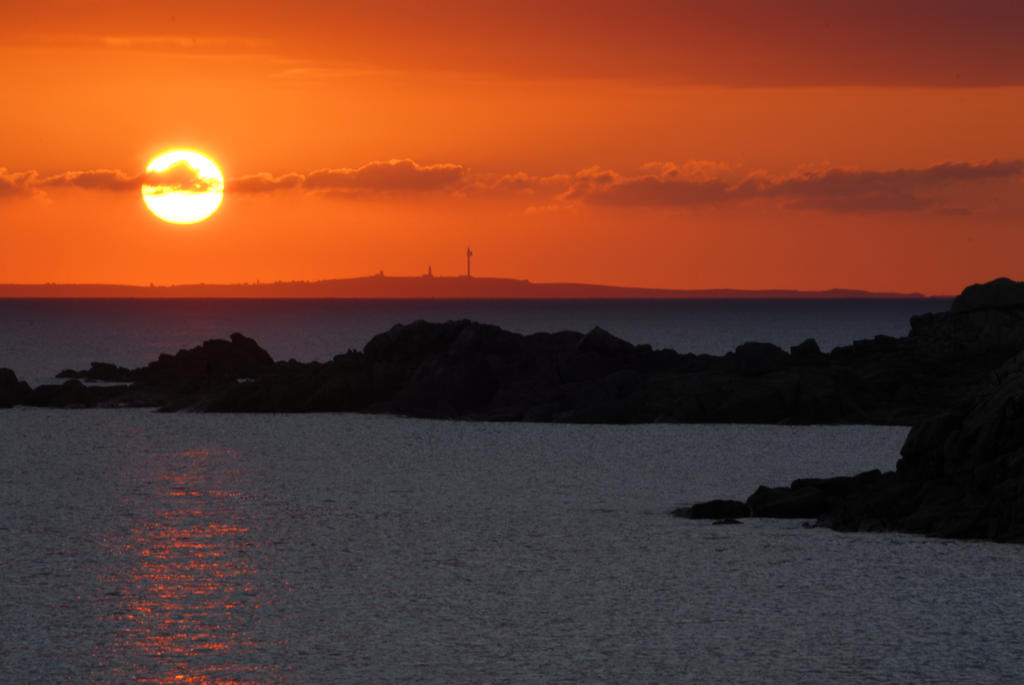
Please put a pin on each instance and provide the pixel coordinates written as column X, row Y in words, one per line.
column 783, row 144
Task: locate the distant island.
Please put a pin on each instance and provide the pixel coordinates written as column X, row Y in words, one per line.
column 416, row 287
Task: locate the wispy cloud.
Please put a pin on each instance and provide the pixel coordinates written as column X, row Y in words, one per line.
column 264, row 182
column 396, row 175
column 16, row 183
column 96, row 179
column 834, row 189
column 179, row 177
column 664, row 185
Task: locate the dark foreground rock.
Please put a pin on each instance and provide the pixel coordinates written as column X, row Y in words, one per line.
column 12, row 390
column 189, row 379
column 715, row 509
column 961, row 475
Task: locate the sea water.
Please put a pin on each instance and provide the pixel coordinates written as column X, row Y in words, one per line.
column 167, row 548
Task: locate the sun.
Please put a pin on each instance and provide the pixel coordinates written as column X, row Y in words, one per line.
column 182, row 187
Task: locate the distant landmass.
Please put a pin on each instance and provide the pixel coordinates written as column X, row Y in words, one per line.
column 416, row 287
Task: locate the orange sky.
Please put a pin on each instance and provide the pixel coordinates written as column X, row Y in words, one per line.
column 739, row 144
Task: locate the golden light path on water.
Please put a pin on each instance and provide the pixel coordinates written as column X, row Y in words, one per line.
column 186, row 576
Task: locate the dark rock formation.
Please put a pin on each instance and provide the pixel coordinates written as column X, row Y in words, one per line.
column 715, row 509
column 961, row 475
column 188, row 379
column 212, row 363
column 998, row 294
column 463, row 369
column 12, row 391
column 101, row 371
column 787, row 503
column 72, row 394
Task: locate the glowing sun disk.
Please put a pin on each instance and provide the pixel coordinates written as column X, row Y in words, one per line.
column 183, row 187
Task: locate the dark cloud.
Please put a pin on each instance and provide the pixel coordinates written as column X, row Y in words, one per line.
column 836, row 190
column 393, row 175
column 849, row 183
column 179, row 177
column 14, row 183
column 264, row 183
column 661, row 184
column 518, row 183
column 396, row 175
column 98, row 179
column 658, row 192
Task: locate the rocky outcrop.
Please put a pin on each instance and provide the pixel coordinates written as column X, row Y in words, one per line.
column 719, row 509
column 101, row 371
column 464, row 369
column 12, row 390
column 188, row 379
column 961, row 471
column 961, row 475
column 1001, row 293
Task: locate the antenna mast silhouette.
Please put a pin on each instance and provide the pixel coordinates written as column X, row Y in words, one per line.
column 469, row 254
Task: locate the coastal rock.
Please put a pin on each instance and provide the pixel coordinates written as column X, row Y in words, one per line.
column 715, row 509
column 757, row 358
column 807, row 351
column 803, row 502
column 999, row 293
column 468, row 370
column 192, row 373
column 101, row 371
column 213, row 362
column 12, row 390
column 70, row 394
column 961, row 475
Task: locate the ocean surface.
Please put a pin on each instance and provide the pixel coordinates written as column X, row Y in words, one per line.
column 338, row 548
column 39, row 338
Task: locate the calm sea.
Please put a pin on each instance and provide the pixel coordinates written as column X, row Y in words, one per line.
column 38, row 338
column 144, row 547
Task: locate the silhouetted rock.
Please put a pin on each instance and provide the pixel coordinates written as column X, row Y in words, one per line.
column 101, row 371
column 70, row 394
column 464, row 369
column 12, row 390
column 212, row 363
column 757, row 358
column 715, row 509
column 999, row 293
column 806, row 351
column 189, row 379
column 961, row 475
column 803, row 502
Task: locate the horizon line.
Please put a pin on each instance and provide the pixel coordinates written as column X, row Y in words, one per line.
column 463, row 279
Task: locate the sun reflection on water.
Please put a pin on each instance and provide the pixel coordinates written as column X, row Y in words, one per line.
column 184, row 582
